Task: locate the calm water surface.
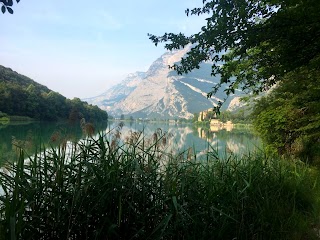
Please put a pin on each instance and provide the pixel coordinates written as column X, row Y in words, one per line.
column 179, row 137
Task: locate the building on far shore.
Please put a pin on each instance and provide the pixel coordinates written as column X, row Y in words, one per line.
column 203, row 115
column 215, row 123
column 206, row 115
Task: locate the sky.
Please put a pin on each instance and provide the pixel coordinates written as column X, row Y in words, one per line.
column 81, row 48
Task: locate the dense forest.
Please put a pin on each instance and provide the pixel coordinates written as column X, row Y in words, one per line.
column 288, row 118
column 21, row 96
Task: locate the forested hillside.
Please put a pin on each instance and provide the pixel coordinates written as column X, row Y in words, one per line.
column 21, row 96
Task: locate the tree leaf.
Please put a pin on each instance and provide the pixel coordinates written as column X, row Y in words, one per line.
column 187, row 11
column 18, row 1
column 3, row 9
column 10, row 10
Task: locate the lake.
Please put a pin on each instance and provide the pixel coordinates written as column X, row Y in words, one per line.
column 178, row 137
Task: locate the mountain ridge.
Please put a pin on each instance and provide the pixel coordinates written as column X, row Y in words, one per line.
column 161, row 93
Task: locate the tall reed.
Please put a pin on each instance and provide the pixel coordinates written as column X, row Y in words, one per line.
column 104, row 189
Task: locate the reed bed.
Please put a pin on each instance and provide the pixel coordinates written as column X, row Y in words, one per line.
column 104, row 189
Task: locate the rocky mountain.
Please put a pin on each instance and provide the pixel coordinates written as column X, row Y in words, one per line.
column 161, row 93
column 117, row 93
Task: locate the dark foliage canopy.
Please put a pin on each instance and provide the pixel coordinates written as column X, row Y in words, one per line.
column 7, row 5
column 253, row 45
column 288, row 118
column 259, row 41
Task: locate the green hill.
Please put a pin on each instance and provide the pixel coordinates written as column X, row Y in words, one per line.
column 21, row 96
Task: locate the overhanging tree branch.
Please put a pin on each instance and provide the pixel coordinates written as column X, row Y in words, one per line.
column 252, row 44
column 7, row 6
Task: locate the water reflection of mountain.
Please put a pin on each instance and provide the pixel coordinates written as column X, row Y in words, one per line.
column 200, row 140
column 229, row 140
column 179, row 138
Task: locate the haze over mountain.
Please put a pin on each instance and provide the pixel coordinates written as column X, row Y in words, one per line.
column 162, row 93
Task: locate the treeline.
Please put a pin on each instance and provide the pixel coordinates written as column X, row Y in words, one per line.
column 241, row 115
column 21, row 96
column 288, row 118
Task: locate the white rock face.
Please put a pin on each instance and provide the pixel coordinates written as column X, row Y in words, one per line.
column 155, row 93
column 235, row 103
column 118, row 92
column 160, row 92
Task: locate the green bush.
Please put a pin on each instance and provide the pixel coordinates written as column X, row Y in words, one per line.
column 288, row 117
column 4, row 120
column 102, row 189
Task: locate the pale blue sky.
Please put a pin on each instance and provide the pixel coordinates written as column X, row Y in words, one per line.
column 80, row 48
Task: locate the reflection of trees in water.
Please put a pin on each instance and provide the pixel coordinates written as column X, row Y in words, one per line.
column 34, row 135
column 178, row 138
column 234, row 141
column 239, row 141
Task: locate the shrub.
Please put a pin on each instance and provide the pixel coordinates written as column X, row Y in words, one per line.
column 4, row 120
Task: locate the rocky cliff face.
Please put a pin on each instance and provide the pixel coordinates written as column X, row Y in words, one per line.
column 161, row 93
column 117, row 93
